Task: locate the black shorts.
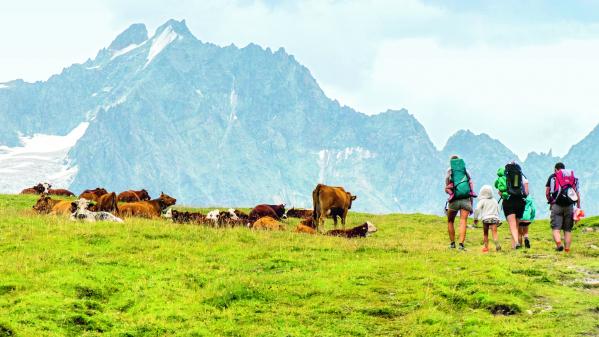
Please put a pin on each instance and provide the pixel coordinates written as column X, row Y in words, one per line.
column 514, row 205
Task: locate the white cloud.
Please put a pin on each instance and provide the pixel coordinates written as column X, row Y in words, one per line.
column 531, row 98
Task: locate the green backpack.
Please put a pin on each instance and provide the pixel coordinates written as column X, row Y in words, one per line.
column 460, row 179
column 529, row 210
column 501, row 183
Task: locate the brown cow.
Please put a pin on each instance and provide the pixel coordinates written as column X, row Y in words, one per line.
column 94, row 194
column 299, row 213
column 44, row 204
column 273, row 211
column 331, row 199
column 304, row 229
column 188, row 217
column 147, row 209
column 106, row 203
column 133, row 196
column 61, row 191
column 268, row 223
column 358, row 231
column 37, row 189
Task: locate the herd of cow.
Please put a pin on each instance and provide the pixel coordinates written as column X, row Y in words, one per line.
column 100, row 205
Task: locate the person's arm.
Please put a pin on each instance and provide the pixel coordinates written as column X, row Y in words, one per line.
column 526, row 187
column 578, row 194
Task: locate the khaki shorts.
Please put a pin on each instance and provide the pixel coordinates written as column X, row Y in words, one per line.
column 561, row 217
column 457, row 205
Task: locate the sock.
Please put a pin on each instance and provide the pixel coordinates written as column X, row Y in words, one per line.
column 567, row 250
column 558, row 243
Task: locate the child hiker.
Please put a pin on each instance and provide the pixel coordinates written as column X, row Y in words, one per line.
column 487, row 210
column 527, row 218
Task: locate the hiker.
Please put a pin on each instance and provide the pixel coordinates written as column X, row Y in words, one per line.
column 487, row 210
column 512, row 187
column 460, row 187
column 527, row 218
column 562, row 193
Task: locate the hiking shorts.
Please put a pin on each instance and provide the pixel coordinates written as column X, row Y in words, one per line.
column 514, row 205
column 524, row 223
column 562, row 217
column 457, row 205
column 496, row 222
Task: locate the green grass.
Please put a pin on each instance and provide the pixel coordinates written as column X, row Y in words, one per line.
column 156, row 278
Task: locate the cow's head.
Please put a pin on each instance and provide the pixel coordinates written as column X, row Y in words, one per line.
column 41, row 205
column 80, row 205
column 351, row 199
column 144, row 195
column 167, row 200
column 41, row 188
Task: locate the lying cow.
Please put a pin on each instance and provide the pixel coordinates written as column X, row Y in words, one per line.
column 359, row 231
column 82, row 213
column 299, row 213
column 134, row 196
column 268, row 223
column 188, row 217
column 147, row 209
column 94, row 194
column 41, row 188
column 61, row 191
column 45, row 205
column 331, row 200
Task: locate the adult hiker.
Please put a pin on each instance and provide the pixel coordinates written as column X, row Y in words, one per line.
column 562, row 193
column 459, row 186
column 527, row 218
column 512, row 187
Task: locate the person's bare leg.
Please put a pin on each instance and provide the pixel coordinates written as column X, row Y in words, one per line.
column 496, row 238
column 486, row 235
column 450, row 228
column 557, row 237
column 513, row 222
column 463, row 222
column 520, row 235
column 568, row 239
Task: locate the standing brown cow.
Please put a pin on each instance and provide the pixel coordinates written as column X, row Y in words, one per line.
column 106, row 203
column 329, row 199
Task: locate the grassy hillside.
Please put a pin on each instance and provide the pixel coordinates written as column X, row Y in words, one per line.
column 155, row 278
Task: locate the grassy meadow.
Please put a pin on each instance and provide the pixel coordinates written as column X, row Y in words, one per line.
column 156, row 278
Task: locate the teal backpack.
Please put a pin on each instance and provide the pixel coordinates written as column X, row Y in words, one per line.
column 460, row 179
column 529, row 210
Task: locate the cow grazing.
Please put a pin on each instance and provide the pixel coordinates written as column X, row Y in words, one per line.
column 273, row 211
column 359, row 231
column 41, row 188
column 299, row 213
column 268, row 223
column 304, row 229
column 331, row 199
column 105, row 203
column 61, row 191
column 147, row 209
column 81, row 212
column 133, row 196
column 94, row 194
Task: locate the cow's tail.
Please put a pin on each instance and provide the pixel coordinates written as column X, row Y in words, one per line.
column 316, row 201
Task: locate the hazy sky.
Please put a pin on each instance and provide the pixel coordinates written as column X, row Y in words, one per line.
column 525, row 72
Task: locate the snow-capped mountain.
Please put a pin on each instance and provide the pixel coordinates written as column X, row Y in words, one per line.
column 218, row 126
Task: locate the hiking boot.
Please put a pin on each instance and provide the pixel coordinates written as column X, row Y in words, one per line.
column 462, row 248
column 452, row 245
column 559, row 248
column 518, row 246
column 485, row 250
column 498, row 248
column 526, row 243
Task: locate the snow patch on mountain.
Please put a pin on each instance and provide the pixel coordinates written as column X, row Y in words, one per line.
column 3, row 86
column 124, row 51
column 165, row 38
column 40, row 158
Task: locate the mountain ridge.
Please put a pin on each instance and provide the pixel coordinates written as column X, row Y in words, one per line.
column 241, row 126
